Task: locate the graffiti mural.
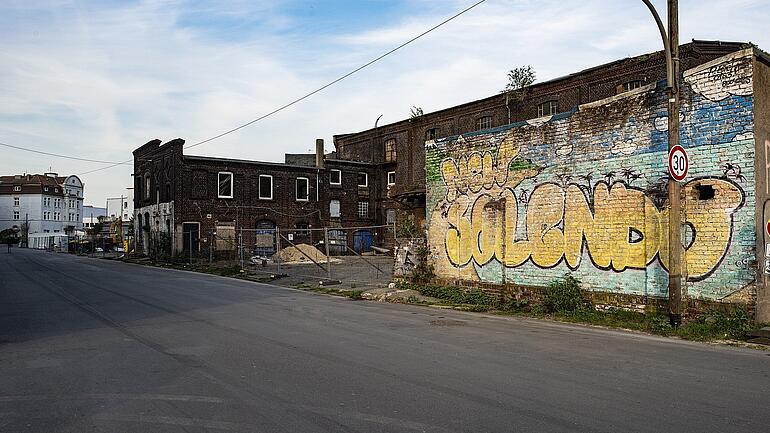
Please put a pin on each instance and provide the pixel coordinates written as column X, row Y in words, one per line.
column 618, row 225
column 512, row 205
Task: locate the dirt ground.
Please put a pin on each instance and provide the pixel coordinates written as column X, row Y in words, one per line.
column 347, row 272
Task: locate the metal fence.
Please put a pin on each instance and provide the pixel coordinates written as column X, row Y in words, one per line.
column 318, row 255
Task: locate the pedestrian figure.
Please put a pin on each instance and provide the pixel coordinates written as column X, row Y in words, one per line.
column 9, row 241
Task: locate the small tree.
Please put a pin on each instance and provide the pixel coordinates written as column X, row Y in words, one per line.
column 415, row 112
column 96, row 229
column 518, row 81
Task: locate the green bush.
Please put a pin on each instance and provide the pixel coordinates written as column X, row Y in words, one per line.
column 454, row 295
column 563, row 296
column 717, row 325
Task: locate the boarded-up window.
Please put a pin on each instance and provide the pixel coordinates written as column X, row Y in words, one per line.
column 390, row 216
column 225, row 237
column 334, row 208
column 390, row 150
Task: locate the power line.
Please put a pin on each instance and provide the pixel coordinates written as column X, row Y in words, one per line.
column 331, row 83
column 58, row 155
column 302, row 98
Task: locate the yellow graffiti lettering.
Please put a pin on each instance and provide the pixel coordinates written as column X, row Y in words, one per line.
column 621, row 228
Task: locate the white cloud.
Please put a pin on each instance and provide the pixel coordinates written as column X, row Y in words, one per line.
column 101, row 81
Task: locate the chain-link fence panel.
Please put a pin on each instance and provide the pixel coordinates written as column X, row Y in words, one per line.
column 352, row 256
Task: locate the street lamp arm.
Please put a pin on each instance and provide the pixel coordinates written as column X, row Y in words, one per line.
column 666, row 45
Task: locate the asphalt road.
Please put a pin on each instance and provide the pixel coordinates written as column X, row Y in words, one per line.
column 93, row 345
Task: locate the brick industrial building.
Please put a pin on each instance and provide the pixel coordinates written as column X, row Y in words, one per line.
column 184, row 201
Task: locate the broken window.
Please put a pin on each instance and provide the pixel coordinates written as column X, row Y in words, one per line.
column 705, row 192
column 225, row 181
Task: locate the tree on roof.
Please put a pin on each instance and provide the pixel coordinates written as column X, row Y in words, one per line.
column 415, row 112
column 518, row 80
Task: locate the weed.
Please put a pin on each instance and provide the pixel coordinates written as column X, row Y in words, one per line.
column 454, row 295
column 563, row 296
column 352, row 294
column 514, row 306
column 562, row 300
column 424, row 271
column 717, row 325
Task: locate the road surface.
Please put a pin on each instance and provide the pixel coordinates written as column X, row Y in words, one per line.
column 89, row 345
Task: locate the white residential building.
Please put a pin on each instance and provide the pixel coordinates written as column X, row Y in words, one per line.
column 41, row 203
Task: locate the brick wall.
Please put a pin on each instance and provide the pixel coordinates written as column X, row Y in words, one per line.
column 585, row 192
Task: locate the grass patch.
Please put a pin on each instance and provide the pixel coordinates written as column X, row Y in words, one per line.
column 563, row 300
column 352, row 294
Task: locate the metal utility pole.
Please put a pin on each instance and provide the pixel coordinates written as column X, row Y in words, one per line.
column 674, row 193
column 671, row 49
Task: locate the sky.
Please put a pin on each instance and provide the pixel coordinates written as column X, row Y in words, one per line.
column 97, row 79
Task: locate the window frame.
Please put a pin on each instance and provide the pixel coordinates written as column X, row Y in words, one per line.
column 259, row 186
column 307, row 189
column 339, row 182
column 483, row 122
column 552, row 103
column 17, row 201
column 392, row 172
column 16, row 215
column 389, row 149
column 632, row 85
column 232, row 184
column 17, row 188
column 366, row 180
column 431, row 133
column 362, row 204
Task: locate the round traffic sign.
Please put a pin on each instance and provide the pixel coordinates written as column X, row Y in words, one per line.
column 767, row 227
column 678, row 163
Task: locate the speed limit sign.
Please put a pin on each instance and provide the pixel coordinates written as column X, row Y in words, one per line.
column 678, row 163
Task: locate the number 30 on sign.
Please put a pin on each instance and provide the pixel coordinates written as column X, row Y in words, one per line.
column 678, row 163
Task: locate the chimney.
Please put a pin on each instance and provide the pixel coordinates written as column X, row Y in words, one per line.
column 319, row 152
